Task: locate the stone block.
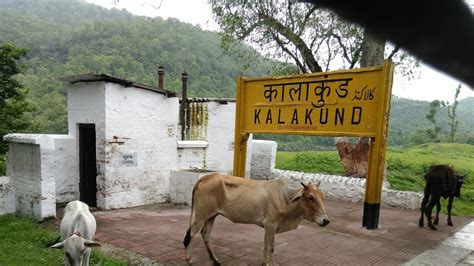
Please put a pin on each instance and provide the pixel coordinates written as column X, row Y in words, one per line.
column 182, row 184
column 263, row 159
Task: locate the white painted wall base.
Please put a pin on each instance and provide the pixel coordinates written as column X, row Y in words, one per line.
column 7, row 196
column 352, row 189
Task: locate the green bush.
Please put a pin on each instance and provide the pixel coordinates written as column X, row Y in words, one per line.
column 3, row 164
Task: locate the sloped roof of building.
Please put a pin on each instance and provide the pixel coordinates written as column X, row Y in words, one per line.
column 117, row 80
column 218, row 100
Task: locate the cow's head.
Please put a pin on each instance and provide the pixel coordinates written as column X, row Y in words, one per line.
column 311, row 199
column 74, row 247
column 459, row 182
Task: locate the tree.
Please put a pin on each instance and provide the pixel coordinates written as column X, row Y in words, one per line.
column 420, row 136
column 453, row 122
column 354, row 157
column 12, row 94
column 412, row 27
column 432, row 133
column 312, row 38
column 300, row 33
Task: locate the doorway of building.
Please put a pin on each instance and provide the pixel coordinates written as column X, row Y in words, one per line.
column 87, row 165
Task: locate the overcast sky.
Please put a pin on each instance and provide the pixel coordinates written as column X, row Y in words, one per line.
column 429, row 86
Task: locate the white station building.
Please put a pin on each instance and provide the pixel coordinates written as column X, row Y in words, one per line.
column 125, row 142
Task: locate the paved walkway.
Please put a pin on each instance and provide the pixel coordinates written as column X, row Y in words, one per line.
column 157, row 232
column 457, row 249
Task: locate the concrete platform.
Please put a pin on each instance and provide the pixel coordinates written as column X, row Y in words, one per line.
column 157, row 232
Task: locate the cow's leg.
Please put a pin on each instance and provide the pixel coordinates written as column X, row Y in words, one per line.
column 450, row 206
column 438, row 208
column 192, row 231
column 269, row 245
column 429, row 209
column 85, row 256
column 424, row 202
column 206, row 232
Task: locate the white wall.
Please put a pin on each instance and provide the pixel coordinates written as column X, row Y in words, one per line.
column 220, row 136
column 26, row 176
column 31, row 164
column 86, row 105
column 64, row 168
column 146, row 125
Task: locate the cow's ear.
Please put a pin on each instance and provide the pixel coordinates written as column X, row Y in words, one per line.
column 297, row 196
column 58, row 245
column 90, row 243
column 319, row 183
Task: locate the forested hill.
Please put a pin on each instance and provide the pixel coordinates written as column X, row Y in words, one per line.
column 407, row 116
column 70, row 37
column 68, row 12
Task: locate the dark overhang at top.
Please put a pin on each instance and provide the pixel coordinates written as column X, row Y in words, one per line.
column 440, row 33
column 218, row 100
column 116, row 80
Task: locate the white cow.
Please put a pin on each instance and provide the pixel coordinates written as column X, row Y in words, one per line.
column 77, row 229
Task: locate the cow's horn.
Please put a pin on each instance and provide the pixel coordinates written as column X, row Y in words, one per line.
column 303, row 184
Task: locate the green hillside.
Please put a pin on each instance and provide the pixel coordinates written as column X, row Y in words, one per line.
column 74, row 37
column 78, row 11
column 406, row 116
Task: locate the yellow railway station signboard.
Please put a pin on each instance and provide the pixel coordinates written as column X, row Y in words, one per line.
column 338, row 103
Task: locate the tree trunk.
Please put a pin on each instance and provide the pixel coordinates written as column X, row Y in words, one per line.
column 354, row 158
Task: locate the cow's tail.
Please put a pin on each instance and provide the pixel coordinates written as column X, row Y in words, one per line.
column 187, row 238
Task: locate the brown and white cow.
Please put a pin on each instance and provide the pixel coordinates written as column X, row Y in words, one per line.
column 273, row 205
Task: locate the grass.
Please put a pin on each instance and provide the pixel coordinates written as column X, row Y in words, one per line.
column 25, row 242
column 406, row 167
column 310, row 162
